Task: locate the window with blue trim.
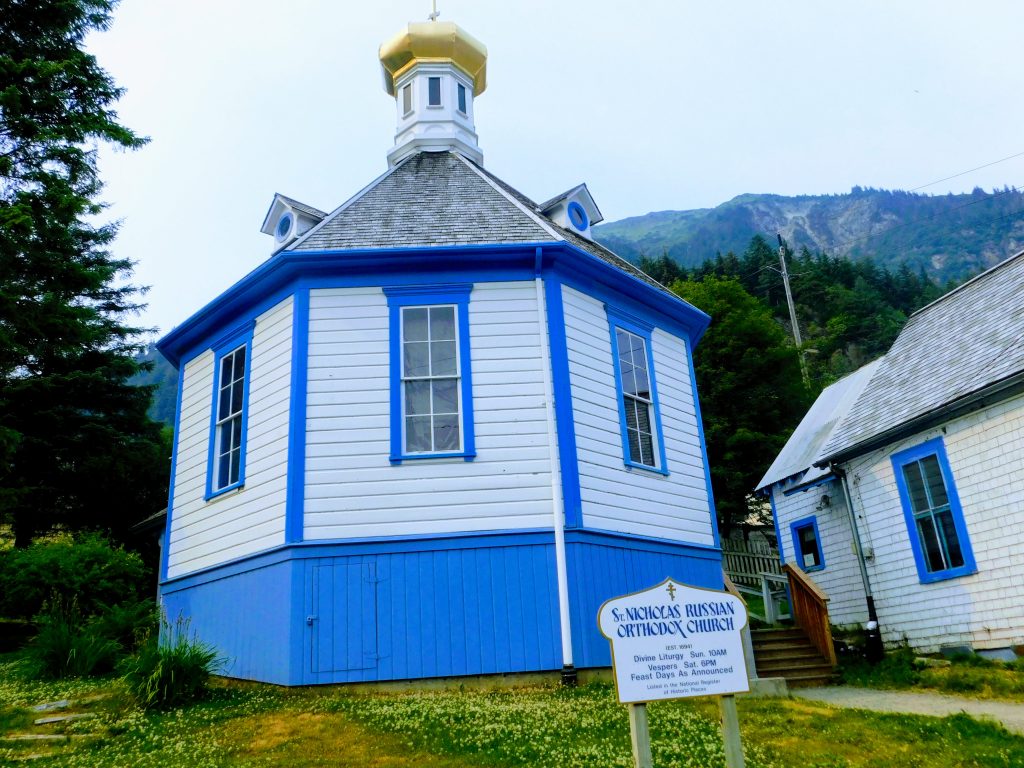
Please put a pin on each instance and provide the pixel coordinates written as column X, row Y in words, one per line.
column 431, row 383
column 807, row 544
column 932, row 511
column 226, row 465
column 639, row 416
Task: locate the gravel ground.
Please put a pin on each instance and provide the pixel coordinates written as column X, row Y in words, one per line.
column 1009, row 713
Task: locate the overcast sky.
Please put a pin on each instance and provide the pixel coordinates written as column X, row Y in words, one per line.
column 656, row 105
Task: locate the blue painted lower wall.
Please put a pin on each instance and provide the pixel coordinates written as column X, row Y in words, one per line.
column 354, row 612
column 605, row 565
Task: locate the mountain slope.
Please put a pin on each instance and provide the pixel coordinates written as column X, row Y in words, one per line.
column 950, row 236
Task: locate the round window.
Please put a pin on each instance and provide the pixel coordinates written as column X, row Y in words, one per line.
column 284, row 226
column 578, row 216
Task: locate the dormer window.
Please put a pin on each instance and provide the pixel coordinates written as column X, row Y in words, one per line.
column 284, row 226
column 406, row 99
column 578, row 216
column 462, row 98
column 434, row 91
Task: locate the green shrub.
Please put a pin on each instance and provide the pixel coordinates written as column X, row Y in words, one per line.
column 67, row 646
column 130, row 624
column 172, row 669
column 86, row 568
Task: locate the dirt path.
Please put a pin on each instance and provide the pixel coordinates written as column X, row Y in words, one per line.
column 1009, row 713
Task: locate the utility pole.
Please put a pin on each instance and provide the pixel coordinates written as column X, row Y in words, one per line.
column 792, row 314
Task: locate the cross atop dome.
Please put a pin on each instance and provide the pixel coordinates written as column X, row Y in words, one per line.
column 434, row 69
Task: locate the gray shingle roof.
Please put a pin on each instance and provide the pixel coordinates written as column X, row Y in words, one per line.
column 970, row 339
column 316, row 213
column 430, row 199
column 797, row 457
column 442, row 198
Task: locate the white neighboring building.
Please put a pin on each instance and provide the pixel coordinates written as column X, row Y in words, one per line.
column 927, row 446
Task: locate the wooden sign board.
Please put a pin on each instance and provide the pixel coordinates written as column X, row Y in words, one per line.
column 674, row 641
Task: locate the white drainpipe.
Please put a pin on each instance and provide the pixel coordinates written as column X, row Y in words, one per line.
column 557, row 505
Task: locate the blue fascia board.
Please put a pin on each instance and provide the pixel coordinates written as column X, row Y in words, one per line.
column 808, row 486
column 395, row 266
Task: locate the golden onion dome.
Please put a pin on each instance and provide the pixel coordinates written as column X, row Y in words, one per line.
column 433, row 42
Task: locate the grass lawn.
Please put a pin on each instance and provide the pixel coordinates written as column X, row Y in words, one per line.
column 256, row 725
column 966, row 675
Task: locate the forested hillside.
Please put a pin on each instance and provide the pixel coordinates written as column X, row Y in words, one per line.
column 949, row 236
column 165, row 377
column 749, row 380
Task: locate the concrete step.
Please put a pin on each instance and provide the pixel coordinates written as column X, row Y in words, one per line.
column 789, row 671
column 811, row 680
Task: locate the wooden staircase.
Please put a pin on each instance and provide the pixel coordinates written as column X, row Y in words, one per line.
column 789, row 653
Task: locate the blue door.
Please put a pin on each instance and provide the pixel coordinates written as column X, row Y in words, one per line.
column 345, row 617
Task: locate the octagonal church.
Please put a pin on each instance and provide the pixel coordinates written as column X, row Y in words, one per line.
column 438, row 427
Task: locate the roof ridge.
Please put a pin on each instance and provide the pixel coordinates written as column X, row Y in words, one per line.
column 962, row 286
column 543, row 221
column 346, row 205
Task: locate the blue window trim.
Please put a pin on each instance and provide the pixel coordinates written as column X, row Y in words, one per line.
column 618, row 318
column 226, row 344
column 426, row 295
column 578, row 209
column 934, row 447
column 794, row 528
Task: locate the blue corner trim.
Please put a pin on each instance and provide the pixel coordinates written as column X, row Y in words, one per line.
column 703, row 445
column 565, row 423
column 811, row 521
column 421, row 295
column 934, row 447
column 295, row 503
column 166, row 548
column 618, row 318
column 227, row 343
column 775, row 522
column 808, row 486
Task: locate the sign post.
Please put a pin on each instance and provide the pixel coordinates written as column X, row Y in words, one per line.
column 675, row 641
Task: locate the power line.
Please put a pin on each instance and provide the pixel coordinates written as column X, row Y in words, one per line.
column 964, row 173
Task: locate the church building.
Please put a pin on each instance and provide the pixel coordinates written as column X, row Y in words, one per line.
column 438, row 427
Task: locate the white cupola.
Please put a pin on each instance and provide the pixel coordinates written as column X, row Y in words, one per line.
column 434, row 70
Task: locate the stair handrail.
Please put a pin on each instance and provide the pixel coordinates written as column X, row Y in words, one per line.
column 748, row 641
column 809, row 607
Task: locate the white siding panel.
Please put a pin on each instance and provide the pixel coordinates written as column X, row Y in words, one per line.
column 206, row 533
column 840, row 578
column 985, row 609
column 615, row 497
column 352, row 490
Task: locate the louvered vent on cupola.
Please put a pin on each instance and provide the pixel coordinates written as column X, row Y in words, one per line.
column 287, row 219
column 574, row 210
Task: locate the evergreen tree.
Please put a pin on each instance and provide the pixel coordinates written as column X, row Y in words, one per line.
column 76, row 446
column 751, row 393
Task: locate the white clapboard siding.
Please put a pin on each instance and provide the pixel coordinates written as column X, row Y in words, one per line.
column 985, row 609
column 206, row 533
column 352, row 490
column 840, row 578
column 613, row 497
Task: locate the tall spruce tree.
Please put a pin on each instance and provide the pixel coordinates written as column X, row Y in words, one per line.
column 76, row 446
